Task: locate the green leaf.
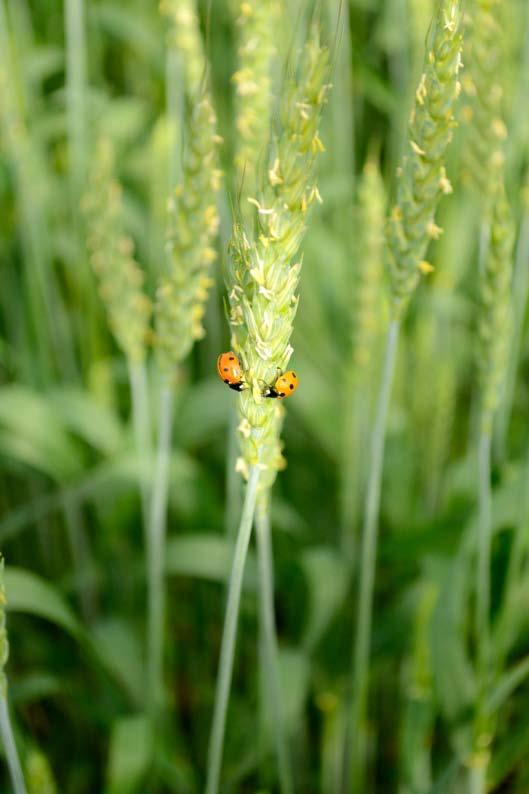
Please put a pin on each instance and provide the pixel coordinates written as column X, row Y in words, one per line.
column 511, row 751
column 35, row 686
column 447, row 781
column 327, row 581
column 32, row 433
column 203, row 411
column 129, row 756
column 121, row 654
column 294, row 669
column 27, row 592
column 89, row 419
column 508, row 682
column 455, row 683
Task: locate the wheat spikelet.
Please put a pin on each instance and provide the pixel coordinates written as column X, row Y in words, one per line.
column 483, row 109
column 112, row 257
column 193, row 224
column 264, row 272
column 253, row 87
column 422, row 178
column 186, row 38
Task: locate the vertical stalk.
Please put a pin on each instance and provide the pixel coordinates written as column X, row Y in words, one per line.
column 478, row 771
column 229, row 635
column 156, row 555
column 8, row 740
column 139, row 387
column 484, row 549
column 360, row 681
column 520, row 294
column 233, row 478
column 76, row 90
column 477, row 780
column 270, row 659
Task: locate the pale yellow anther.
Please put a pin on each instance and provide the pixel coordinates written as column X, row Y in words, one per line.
column 260, row 210
column 434, row 231
column 417, row 149
column 425, row 267
column 245, row 428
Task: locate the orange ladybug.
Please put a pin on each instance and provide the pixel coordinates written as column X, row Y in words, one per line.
column 284, row 386
column 230, row 370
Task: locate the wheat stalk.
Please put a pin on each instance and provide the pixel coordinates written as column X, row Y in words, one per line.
column 6, row 729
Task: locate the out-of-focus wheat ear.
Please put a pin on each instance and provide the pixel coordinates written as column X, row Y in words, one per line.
column 6, row 729
column 257, row 33
column 111, row 250
column 482, row 111
column 193, row 225
column 421, row 177
column 186, row 38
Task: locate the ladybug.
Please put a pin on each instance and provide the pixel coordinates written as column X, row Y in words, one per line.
column 284, row 386
column 230, row 370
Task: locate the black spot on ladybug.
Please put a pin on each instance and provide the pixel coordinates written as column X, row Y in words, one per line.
column 291, row 387
column 226, row 380
column 225, row 369
column 232, row 358
column 294, row 375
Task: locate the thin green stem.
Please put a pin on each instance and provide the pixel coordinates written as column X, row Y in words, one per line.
column 8, row 740
column 484, row 551
column 520, row 295
column 233, row 478
column 156, row 555
column 139, row 387
column 229, row 635
column 355, row 422
column 360, row 678
column 477, row 780
column 76, row 90
column 482, row 738
column 270, row 659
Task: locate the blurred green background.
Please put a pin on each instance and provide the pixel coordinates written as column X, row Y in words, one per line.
column 70, row 515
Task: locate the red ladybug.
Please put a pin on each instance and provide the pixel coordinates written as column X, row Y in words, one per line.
column 230, row 371
column 284, row 386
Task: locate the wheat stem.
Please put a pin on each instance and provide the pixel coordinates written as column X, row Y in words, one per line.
column 229, row 634
column 368, row 560
column 484, row 546
column 6, row 729
column 477, row 780
column 75, row 90
column 8, row 740
column 139, row 388
column 520, row 293
column 270, row 660
column 156, row 554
